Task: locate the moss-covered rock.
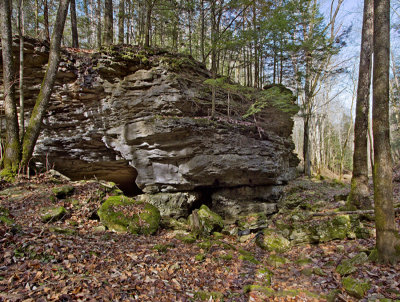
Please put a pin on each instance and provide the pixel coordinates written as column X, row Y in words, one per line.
column 270, row 292
column 373, row 256
column 63, row 192
column 272, row 241
column 207, row 296
column 300, row 234
column 173, row 224
column 217, row 235
column 303, row 261
column 5, row 217
column 63, row 231
column 247, row 256
column 264, row 289
column 332, row 295
column 253, row 221
column 204, row 221
column 355, row 288
column 123, row 214
column 226, row 256
column 291, row 201
column 266, row 275
column 319, row 272
column 337, row 227
column 53, row 214
column 277, row 261
column 186, row 237
column 346, row 267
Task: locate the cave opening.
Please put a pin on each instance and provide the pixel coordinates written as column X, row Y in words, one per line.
column 119, row 172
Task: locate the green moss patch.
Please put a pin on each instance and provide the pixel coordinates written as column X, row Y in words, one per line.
column 63, row 192
column 277, row 261
column 270, row 292
column 208, row 221
column 208, row 296
column 189, row 238
column 247, row 256
column 349, row 266
column 53, row 214
column 5, row 217
column 63, row 231
column 355, row 288
column 273, row 242
column 123, row 214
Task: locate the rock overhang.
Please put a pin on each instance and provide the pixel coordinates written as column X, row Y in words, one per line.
column 124, row 118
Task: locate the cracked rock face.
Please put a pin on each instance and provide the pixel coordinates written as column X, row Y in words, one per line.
column 144, row 124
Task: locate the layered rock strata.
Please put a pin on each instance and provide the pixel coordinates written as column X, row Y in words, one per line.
column 141, row 119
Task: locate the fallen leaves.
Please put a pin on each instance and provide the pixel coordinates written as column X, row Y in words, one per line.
column 38, row 264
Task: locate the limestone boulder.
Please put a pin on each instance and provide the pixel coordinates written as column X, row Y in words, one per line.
column 123, row 214
column 174, row 205
column 142, row 120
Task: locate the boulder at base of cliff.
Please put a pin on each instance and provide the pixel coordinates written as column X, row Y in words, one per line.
column 123, row 214
column 174, row 205
column 204, row 221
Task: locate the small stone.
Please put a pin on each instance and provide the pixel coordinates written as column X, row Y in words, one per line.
column 63, row 192
column 346, row 267
column 245, row 238
column 53, row 214
column 273, row 242
column 199, row 257
column 99, row 229
column 277, row 261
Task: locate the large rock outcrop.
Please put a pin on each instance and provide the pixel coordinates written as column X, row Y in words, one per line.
column 141, row 119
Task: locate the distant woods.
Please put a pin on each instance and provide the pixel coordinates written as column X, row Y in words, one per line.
column 252, row 42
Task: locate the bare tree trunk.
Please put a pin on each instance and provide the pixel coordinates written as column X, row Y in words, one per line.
column 256, row 62
column 37, row 18
column 98, row 17
column 42, row 101
column 74, row 25
column 149, row 11
column 108, row 22
column 46, row 20
column 359, row 193
column 307, row 117
column 213, row 53
column 21, row 32
column 202, row 31
column 12, row 151
column 190, row 29
column 387, row 234
column 121, row 21
column 306, row 146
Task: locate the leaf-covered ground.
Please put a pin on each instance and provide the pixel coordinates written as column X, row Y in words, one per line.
column 75, row 259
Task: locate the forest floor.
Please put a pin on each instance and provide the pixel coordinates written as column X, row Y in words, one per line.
column 76, row 260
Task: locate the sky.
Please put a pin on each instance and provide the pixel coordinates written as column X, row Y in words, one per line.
column 350, row 15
